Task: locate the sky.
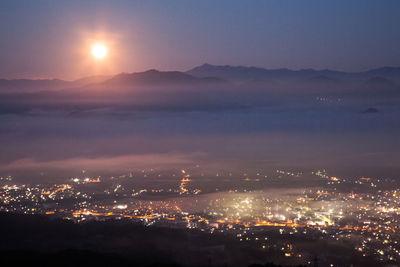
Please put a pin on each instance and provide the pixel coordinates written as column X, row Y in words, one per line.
column 51, row 39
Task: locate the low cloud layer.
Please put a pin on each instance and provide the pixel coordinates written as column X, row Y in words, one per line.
column 118, row 163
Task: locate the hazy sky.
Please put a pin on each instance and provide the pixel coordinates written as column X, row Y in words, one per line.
column 52, row 38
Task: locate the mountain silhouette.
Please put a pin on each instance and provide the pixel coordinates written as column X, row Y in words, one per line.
column 91, row 80
column 207, row 74
column 255, row 73
column 155, row 77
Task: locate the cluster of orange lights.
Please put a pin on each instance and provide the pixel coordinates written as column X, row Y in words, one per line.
column 184, row 182
column 64, row 187
column 247, row 179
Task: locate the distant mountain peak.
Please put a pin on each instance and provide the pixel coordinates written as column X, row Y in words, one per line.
column 237, row 72
column 205, row 65
column 152, row 71
column 156, row 77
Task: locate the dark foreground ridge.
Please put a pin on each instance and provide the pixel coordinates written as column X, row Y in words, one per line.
column 33, row 240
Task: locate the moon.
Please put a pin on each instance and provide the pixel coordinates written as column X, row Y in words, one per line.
column 99, row 51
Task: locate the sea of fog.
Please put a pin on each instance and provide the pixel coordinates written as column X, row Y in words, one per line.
column 344, row 140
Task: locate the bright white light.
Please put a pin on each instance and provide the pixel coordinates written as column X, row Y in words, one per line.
column 99, row 51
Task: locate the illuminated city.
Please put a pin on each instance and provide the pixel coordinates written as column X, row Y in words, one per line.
column 364, row 212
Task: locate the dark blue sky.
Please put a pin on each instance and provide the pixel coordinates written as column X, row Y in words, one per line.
column 50, row 38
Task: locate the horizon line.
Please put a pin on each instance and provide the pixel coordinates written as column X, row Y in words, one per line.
column 184, row 71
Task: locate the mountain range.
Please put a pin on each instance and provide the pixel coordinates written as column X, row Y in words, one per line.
column 255, row 73
column 207, row 74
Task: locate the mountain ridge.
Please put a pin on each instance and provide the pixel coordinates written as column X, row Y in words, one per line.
column 153, row 77
column 200, row 75
column 250, row 72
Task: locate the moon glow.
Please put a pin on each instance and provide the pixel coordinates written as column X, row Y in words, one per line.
column 99, row 51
